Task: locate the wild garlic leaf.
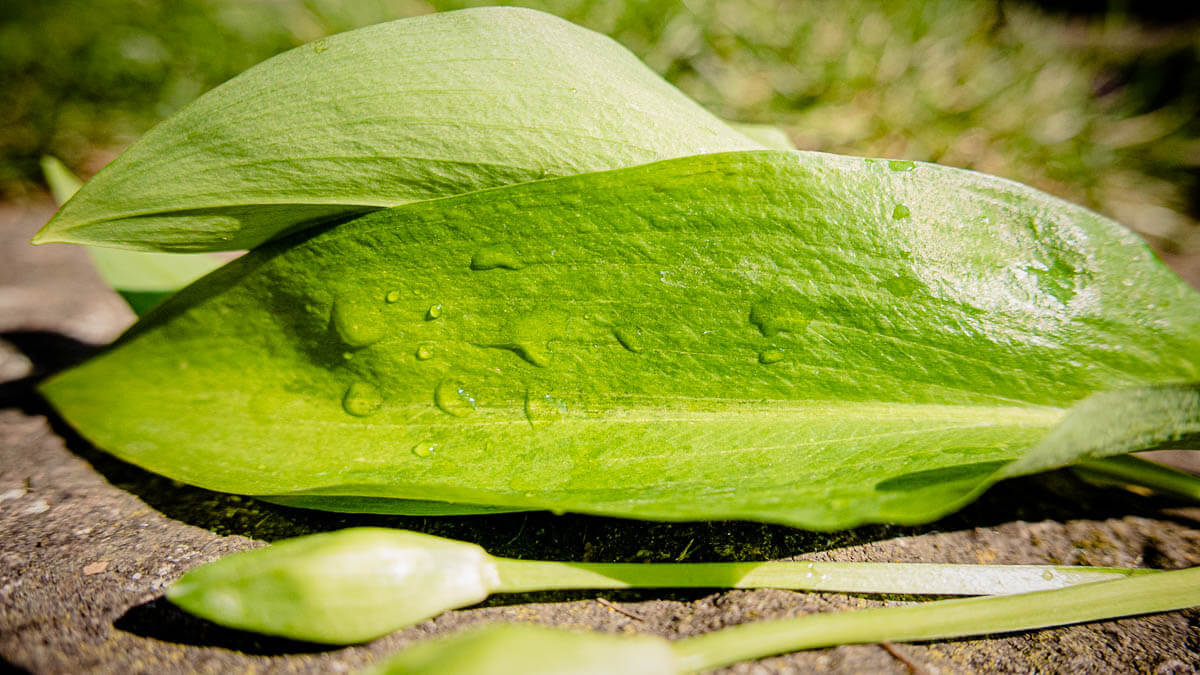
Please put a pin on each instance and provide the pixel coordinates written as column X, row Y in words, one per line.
column 143, row 279
column 762, row 335
column 397, row 112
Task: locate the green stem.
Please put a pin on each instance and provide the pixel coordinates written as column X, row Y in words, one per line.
column 1138, row 471
column 518, row 576
column 944, row 619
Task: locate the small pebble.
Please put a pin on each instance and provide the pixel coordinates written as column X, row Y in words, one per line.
column 39, row 506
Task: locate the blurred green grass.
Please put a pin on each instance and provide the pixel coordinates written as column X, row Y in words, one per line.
column 1102, row 109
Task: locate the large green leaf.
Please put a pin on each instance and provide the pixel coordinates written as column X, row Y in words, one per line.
column 794, row 337
column 385, row 115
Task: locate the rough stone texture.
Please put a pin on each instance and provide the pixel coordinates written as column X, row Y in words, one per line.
column 89, row 542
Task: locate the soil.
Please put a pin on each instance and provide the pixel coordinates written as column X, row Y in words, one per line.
column 89, row 542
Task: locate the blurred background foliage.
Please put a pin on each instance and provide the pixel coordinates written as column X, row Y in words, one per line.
column 1096, row 102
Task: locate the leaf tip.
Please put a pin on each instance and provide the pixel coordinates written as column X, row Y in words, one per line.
column 50, row 235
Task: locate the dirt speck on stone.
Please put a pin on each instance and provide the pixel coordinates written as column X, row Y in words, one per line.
column 90, row 542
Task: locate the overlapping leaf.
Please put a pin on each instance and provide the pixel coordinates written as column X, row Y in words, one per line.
column 793, row 337
column 402, row 111
column 143, row 278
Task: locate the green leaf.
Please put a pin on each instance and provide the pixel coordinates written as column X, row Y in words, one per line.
column 62, row 183
column 746, row 335
column 142, row 279
column 397, row 112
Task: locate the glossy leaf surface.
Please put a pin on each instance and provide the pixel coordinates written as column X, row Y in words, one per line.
column 408, row 110
column 760, row 335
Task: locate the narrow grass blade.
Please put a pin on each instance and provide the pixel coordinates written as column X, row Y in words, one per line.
column 530, row 650
column 1130, row 470
column 945, row 619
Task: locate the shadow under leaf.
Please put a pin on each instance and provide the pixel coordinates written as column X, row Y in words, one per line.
column 160, row 620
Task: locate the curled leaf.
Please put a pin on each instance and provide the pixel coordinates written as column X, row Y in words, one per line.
column 414, row 109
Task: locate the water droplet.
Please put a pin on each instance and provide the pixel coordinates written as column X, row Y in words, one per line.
column 630, row 338
column 424, row 353
column 362, row 399
column 392, row 296
column 1047, row 575
column 772, row 317
column 901, row 165
column 434, row 312
column 496, row 255
column 1060, row 280
column 527, row 335
column 901, row 286
column 356, row 323
column 900, row 212
column 348, row 355
column 771, row 355
column 424, row 450
column 453, row 398
column 536, row 354
column 543, row 408
column 320, row 46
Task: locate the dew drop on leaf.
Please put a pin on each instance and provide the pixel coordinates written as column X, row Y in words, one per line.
column 496, row 256
column 543, row 408
column 534, row 353
column 356, row 324
column 392, row 296
column 901, row 286
column 901, row 165
column 771, row 355
column 527, row 336
column 453, row 398
column 434, row 312
column 630, row 338
column 900, row 212
column 424, row 450
column 772, row 317
column 362, row 399
column 1047, row 575
column 424, row 353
